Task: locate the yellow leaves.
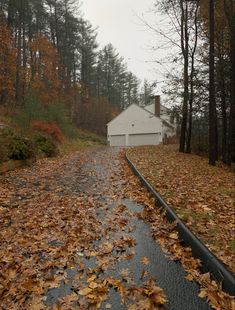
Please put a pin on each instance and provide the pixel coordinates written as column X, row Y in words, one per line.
column 173, row 235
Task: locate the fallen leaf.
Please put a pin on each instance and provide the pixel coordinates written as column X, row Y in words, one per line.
column 144, row 260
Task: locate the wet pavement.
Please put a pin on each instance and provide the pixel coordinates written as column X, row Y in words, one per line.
column 125, row 250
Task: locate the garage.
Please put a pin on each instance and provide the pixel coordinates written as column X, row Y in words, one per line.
column 134, row 126
column 117, row 140
column 143, row 139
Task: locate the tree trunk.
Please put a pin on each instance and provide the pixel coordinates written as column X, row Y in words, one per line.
column 185, row 50
column 212, row 106
column 18, row 67
column 191, row 99
column 232, row 105
column 223, row 108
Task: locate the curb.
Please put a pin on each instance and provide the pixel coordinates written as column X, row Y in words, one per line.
column 209, row 261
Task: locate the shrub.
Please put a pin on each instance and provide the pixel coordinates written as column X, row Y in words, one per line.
column 50, row 129
column 15, row 146
column 45, row 145
column 21, row 148
column 34, row 110
column 3, row 151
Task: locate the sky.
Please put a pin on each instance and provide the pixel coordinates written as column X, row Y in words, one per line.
column 119, row 22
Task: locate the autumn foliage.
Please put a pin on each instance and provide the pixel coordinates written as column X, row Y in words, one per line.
column 7, row 64
column 44, row 75
column 51, row 129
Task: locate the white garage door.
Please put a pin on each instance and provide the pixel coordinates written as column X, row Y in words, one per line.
column 143, row 139
column 118, row 140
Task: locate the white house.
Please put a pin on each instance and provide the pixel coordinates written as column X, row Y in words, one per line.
column 168, row 125
column 140, row 126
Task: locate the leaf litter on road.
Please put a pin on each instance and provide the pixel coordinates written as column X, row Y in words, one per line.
column 54, row 231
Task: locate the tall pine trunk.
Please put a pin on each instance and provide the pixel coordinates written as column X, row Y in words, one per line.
column 212, row 106
column 232, row 104
column 191, row 98
column 185, row 50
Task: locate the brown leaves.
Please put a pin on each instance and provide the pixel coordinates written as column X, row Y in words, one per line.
column 125, row 274
column 148, row 296
column 202, row 196
column 145, row 260
column 46, row 229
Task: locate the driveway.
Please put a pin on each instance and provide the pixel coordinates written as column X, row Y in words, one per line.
column 72, row 236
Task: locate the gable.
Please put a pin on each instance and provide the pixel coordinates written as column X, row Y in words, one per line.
column 132, row 113
column 134, row 120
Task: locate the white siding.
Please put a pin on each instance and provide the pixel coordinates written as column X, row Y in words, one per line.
column 164, row 115
column 144, row 139
column 134, row 121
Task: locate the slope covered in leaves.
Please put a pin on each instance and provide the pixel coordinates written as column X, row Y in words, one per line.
column 202, row 195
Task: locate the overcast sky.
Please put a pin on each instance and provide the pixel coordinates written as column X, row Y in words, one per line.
column 118, row 23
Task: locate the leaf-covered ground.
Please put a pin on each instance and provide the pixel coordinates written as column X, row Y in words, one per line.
column 73, row 236
column 202, row 195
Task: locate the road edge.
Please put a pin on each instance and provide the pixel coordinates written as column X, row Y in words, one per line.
column 209, row 261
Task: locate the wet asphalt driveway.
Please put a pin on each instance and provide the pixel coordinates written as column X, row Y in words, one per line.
column 126, row 238
column 72, row 236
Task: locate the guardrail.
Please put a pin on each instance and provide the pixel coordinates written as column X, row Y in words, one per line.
column 209, row 261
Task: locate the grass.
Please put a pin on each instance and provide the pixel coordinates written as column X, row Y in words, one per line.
column 83, row 139
column 74, row 139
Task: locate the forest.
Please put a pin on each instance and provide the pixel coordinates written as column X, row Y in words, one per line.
column 202, row 35
column 50, row 60
column 50, row 55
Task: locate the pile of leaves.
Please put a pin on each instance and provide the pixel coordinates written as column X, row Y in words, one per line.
column 201, row 195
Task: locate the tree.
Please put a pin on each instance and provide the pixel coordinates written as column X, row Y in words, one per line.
column 7, row 64
column 87, row 46
column 230, row 13
column 44, row 78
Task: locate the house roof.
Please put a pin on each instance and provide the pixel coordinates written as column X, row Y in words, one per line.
column 142, row 108
column 168, row 124
column 133, row 104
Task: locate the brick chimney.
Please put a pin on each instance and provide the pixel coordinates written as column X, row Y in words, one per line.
column 157, row 105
